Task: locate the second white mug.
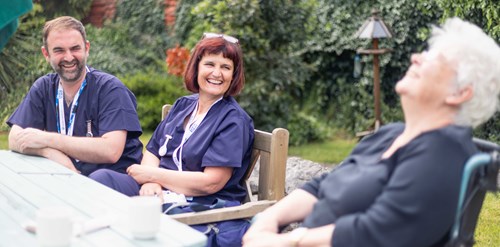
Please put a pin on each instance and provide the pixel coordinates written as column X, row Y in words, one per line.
column 54, row 226
column 144, row 216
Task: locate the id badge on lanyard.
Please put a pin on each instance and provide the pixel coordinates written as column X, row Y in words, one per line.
column 61, row 119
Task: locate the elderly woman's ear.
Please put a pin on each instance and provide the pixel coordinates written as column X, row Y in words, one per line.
column 460, row 96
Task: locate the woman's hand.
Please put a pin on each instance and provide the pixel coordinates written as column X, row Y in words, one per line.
column 151, row 189
column 142, row 173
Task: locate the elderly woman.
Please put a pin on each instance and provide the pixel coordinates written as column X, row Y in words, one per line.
column 201, row 150
column 399, row 186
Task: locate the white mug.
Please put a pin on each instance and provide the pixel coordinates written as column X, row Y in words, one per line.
column 144, row 216
column 54, row 227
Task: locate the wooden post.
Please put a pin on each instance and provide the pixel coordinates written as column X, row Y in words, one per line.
column 376, row 85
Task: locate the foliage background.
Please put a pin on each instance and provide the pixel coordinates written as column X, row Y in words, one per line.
column 298, row 55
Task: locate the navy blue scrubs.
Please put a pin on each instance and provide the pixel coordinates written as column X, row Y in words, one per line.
column 105, row 101
column 223, row 139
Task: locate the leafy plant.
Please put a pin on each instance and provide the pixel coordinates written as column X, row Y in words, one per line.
column 299, row 55
column 269, row 35
column 55, row 8
column 152, row 90
column 113, row 51
column 177, row 59
column 485, row 14
column 348, row 101
column 305, row 128
column 136, row 37
column 144, row 23
column 21, row 62
column 9, row 104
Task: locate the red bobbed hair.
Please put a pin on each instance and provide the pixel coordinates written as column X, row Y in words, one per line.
column 215, row 46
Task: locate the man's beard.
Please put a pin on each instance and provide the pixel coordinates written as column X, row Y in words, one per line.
column 72, row 76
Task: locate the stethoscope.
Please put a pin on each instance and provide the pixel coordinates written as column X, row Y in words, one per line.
column 191, row 127
column 163, row 149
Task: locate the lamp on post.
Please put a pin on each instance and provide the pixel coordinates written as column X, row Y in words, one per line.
column 374, row 28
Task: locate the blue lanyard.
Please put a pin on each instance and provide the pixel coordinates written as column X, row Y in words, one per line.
column 61, row 119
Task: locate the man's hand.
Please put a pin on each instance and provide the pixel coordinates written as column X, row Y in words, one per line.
column 31, row 138
column 106, row 149
column 59, row 157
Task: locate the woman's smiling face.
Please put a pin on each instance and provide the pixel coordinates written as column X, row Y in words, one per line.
column 215, row 73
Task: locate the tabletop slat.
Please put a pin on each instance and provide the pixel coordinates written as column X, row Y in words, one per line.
column 28, row 183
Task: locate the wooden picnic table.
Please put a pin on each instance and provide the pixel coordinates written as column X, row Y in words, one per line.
column 28, row 183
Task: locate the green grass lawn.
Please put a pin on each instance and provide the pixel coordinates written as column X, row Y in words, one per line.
column 334, row 151
column 145, row 138
column 488, row 229
column 330, row 152
column 4, row 144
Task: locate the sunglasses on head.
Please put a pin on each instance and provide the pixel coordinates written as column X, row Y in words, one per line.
column 227, row 38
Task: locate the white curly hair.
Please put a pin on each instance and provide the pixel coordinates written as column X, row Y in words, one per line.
column 477, row 57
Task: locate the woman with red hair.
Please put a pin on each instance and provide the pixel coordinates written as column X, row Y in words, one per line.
column 201, row 150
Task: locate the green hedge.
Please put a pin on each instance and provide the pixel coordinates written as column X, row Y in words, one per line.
column 305, row 128
column 152, row 90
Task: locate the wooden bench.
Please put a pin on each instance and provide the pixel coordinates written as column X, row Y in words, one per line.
column 271, row 150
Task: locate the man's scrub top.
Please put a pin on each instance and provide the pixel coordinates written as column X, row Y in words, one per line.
column 104, row 101
column 224, row 138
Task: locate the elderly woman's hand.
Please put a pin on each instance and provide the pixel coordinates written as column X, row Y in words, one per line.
column 263, row 224
column 264, row 239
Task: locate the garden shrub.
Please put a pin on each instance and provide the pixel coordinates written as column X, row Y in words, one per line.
column 9, row 104
column 269, row 36
column 55, row 8
column 299, row 55
column 305, row 128
column 21, row 62
column 490, row 130
column 153, row 90
column 112, row 51
column 134, row 40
